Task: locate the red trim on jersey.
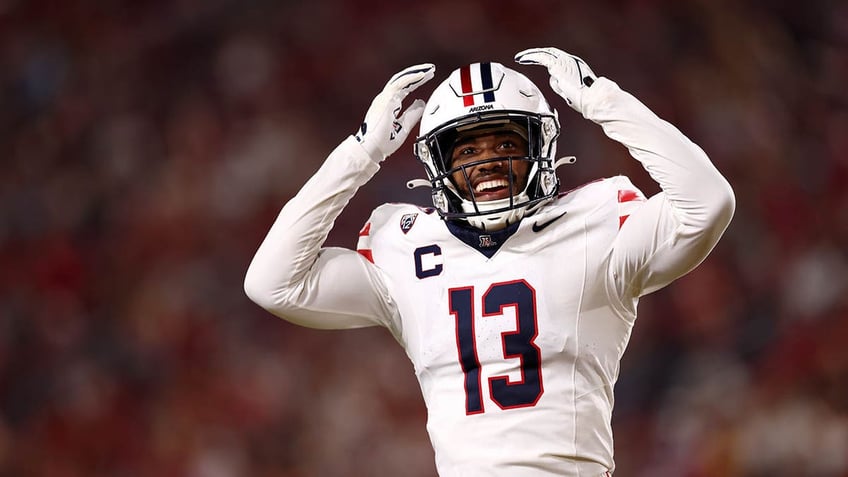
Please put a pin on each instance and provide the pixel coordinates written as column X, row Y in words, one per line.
column 625, row 195
column 366, row 252
column 628, row 196
column 465, row 80
column 365, row 230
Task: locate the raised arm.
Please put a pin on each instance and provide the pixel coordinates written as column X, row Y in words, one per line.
column 294, row 278
column 676, row 229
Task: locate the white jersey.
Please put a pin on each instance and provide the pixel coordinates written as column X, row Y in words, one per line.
column 515, row 336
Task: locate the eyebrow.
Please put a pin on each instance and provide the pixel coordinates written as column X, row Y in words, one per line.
column 469, row 139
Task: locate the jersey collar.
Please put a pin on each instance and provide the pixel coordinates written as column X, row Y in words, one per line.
column 487, row 243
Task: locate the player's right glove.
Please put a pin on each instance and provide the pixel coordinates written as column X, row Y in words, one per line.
column 385, row 129
column 570, row 75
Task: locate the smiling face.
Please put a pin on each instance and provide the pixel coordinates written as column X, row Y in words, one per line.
column 490, row 180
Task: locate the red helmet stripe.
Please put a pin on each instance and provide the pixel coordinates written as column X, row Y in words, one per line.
column 465, row 79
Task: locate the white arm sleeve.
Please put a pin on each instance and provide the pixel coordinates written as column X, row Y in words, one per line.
column 676, row 229
column 292, row 277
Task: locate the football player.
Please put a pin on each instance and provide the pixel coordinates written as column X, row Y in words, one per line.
column 514, row 302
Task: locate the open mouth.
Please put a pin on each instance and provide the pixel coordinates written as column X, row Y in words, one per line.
column 492, row 189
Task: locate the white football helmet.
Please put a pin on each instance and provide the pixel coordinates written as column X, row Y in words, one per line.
column 488, row 96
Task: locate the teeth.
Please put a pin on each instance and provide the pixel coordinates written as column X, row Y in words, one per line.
column 491, row 184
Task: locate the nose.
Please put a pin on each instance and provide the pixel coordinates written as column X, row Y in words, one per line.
column 496, row 164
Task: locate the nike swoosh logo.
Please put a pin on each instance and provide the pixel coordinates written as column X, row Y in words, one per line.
column 538, row 227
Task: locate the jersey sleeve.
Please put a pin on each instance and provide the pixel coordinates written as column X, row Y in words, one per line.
column 669, row 234
column 296, row 279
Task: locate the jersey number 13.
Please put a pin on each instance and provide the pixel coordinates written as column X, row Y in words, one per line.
column 517, row 344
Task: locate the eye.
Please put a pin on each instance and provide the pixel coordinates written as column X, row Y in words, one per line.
column 464, row 151
column 507, row 144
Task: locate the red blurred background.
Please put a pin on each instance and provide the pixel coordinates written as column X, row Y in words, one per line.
column 147, row 146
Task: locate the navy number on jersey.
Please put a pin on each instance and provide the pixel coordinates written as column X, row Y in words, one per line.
column 517, row 343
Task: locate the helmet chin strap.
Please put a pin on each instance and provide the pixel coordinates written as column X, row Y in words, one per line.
column 495, row 220
column 493, row 223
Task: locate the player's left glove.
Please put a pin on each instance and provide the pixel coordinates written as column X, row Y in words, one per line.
column 385, row 129
column 570, row 75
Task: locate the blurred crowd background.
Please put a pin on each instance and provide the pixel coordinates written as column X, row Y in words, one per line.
column 147, row 146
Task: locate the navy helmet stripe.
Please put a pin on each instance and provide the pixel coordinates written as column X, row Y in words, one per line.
column 486, row 78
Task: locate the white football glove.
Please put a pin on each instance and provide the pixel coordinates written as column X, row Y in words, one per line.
column 570, row 75
column 385, row 129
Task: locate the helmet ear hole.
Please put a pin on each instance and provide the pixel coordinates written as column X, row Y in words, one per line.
column 496, row 98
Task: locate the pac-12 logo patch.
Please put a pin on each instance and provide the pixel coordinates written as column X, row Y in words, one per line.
column 407, row 221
